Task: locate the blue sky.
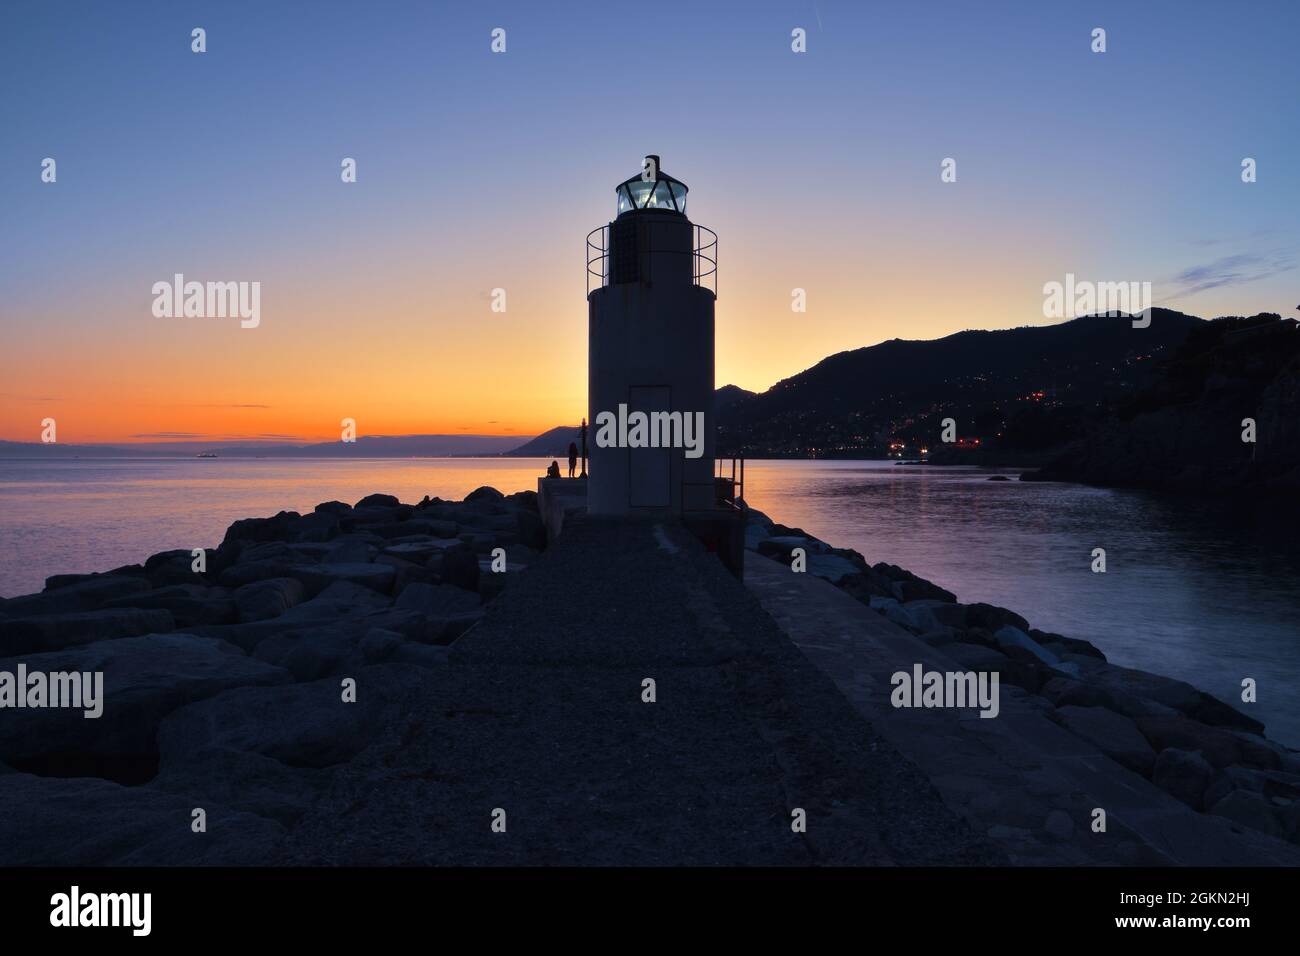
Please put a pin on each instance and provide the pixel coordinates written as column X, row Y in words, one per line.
column 478, row 170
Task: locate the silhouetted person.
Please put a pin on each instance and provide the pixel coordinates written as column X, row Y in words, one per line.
column 573, row 459
column 554, row 470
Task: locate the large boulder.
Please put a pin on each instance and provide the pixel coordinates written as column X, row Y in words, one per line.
column 187, row 603
column 1184, row 774
column 906, row 586
column 87, row 594
column 52, row 632
column 301, row 725
column 459, row 567
column 264, row 600
column 317, row 577
column 1220, row 747
column 484, row 493
column 318, row 651
column 1170, row 693
column 143, row 680
column 1114, row 735
column 278, row 528
column 378, row 501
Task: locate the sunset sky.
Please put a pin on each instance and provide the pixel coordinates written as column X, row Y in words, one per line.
column 479, row 170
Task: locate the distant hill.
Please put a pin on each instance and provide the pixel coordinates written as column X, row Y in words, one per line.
column 367, row 446
column 550, row 444
column 1023, row 390
column 1184, row 430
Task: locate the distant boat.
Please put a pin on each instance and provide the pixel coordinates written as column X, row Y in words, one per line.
column 205, row 454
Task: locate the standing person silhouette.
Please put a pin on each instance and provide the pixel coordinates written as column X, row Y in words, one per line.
column 573, row 458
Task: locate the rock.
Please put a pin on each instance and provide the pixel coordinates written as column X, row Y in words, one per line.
column 84, row 822
column 144, row 679
column 415, row 551
column 831, row 567
column 993, row 618
column 1063, row 691
column 1220, row 747
column 908, row 587
column 755, row 534
column 379, row 644
column 333, row 508
column 378, row 501
column 300, row 725
column 484, row 493
column 999, row 478
column 278, row 528
column 978, row 657
column 940, row 636
column 334, row 649
column 1171, row 693
column 459, row 567
column 188, row 603
column 264, row 600
column 1065, row 645
column 246, row 572
column 929, row 614
column 524, row 501
column 1114, row 735
column 87, row 594
column 352, row 549
column 1015, row 643
column 316, row 578
column 173, row 567
column 1250, row 810
column 1280, row 789
column 407, row 572
column 1184, row 774
column 28, row 635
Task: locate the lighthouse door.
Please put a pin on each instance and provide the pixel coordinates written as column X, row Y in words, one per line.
column 649, row 469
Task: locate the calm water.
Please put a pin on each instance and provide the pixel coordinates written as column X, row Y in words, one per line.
column 1207, row 591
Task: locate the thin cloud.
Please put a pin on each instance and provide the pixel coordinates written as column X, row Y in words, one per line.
column 1231, row 271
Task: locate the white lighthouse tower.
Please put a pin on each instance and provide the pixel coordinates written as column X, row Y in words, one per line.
column 651, row 293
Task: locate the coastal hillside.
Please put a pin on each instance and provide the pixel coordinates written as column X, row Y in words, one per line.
column 1185, row 430
column 1017, row 390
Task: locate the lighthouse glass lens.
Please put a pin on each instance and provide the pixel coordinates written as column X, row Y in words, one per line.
column 679, row 193
column 640, row 191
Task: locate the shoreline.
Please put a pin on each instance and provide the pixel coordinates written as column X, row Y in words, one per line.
column 392, row 592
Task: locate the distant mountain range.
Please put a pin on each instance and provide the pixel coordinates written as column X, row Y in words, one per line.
column 1017, row 391
column 372, row 446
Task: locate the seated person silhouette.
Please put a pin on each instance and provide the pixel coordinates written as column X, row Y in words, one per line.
column 554, row 470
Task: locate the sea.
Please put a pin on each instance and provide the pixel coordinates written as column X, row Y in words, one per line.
column 1206, row 590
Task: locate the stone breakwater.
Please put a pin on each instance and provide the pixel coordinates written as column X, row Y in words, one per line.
column 293, row 680
column 1207, row 754
column 222, row 686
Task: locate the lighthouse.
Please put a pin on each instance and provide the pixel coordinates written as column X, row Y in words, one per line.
column 650, row 301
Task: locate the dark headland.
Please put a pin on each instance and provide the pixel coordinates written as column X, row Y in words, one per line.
column 517, row 699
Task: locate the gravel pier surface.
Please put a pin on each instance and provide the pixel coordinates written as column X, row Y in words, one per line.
column 539, row 712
